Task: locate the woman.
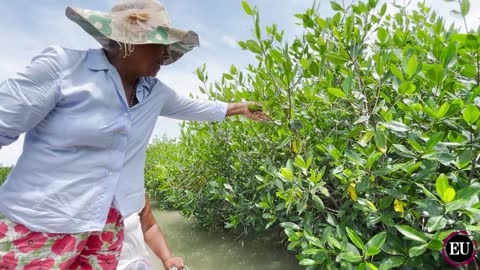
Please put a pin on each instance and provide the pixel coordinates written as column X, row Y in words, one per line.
column 140, row 229
column 88, row 116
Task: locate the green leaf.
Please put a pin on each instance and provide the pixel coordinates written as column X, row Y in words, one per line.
column 383, row 9
column 463, row 198
column 336, row 6
column 290, row 225
column 312, row 239
column 318, row 202
column 371, row 266
column 407, row 88
column 471, row 113
column 448, row 195
column 437, row 137
column 304, row 63
column 418, row 250
column 372, row 158
column 435, row 245
column 442, row 157
column 300, row 162
column 395, row 71
column 396, row 194
column 366, row 138
column 448, row 54
column 474, row 228
column 334, row 242
column 391, row 262
column 427, row 192
column 296, row 124
column 367, row 203
column 441, row 184
column 468, row 192
column 361, row 119
column 415, row 142
column 412, row 66
column 349, row 257
column 336, row 92
column 396, row 126
column 380, row 141
column 246, row 8
column 286, row 173
column 404, row 150
column 372, row 251
column 465, row 7
column 253, row 46
column 200, row 75
column 382, row 34
column 331, row 220
column 254, row 107
column 443, row 110
column 471, row 41
column 436, row 73
column 336, row 58
column 355, row 238
column 376, row 241
column 307, row 262
column 436, row 223
column 411, row 233
column 277, row 56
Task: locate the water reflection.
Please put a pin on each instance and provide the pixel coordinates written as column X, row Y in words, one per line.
column 216, row 251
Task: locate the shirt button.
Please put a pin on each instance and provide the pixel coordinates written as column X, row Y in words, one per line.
column 110, row 173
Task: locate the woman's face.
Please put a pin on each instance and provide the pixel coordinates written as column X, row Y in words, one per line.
column 147, row 59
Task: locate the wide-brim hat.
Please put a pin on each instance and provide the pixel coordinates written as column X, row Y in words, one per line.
column 134, row 22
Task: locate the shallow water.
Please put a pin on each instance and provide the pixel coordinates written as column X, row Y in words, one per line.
column 219, row 251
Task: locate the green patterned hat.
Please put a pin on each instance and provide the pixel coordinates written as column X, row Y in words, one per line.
column 133, row 22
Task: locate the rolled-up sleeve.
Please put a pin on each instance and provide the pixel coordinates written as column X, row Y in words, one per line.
column 184, row 108
column 29, row 96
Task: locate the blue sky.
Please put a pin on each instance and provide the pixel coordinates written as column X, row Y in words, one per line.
column 27, row 27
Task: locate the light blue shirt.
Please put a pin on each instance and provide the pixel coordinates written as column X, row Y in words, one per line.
column 84, row 149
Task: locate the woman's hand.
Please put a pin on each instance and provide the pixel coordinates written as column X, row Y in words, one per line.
column 252, row 110
column 173, row 262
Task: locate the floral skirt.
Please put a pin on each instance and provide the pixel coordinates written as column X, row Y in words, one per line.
column 21, row 248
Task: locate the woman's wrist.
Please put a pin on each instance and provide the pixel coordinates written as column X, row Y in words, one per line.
column 165, row 260
column 235, row 109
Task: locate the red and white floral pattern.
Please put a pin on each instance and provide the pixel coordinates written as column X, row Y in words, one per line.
column 21, row 248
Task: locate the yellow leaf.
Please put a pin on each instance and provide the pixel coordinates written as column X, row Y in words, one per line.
column 448, row 195
column 294, row 147
column 398, row 206
column 352, row 191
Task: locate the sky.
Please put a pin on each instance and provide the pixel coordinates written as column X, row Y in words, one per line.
column 27, row 27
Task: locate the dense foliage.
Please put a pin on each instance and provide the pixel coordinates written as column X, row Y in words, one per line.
column 371, row 156
column 4, row 171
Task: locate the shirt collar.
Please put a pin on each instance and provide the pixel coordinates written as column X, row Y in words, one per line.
column 97, row 60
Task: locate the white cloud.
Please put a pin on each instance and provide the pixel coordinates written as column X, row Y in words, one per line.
column 166, row 127
column 205, row 43
column 182, row 81
column 230, row 41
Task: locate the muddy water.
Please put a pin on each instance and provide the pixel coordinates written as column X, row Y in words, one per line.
column 216, row 251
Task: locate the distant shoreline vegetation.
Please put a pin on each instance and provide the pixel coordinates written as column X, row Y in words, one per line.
column 4, row 171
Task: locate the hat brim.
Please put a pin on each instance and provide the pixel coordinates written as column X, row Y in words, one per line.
column 99, row 26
